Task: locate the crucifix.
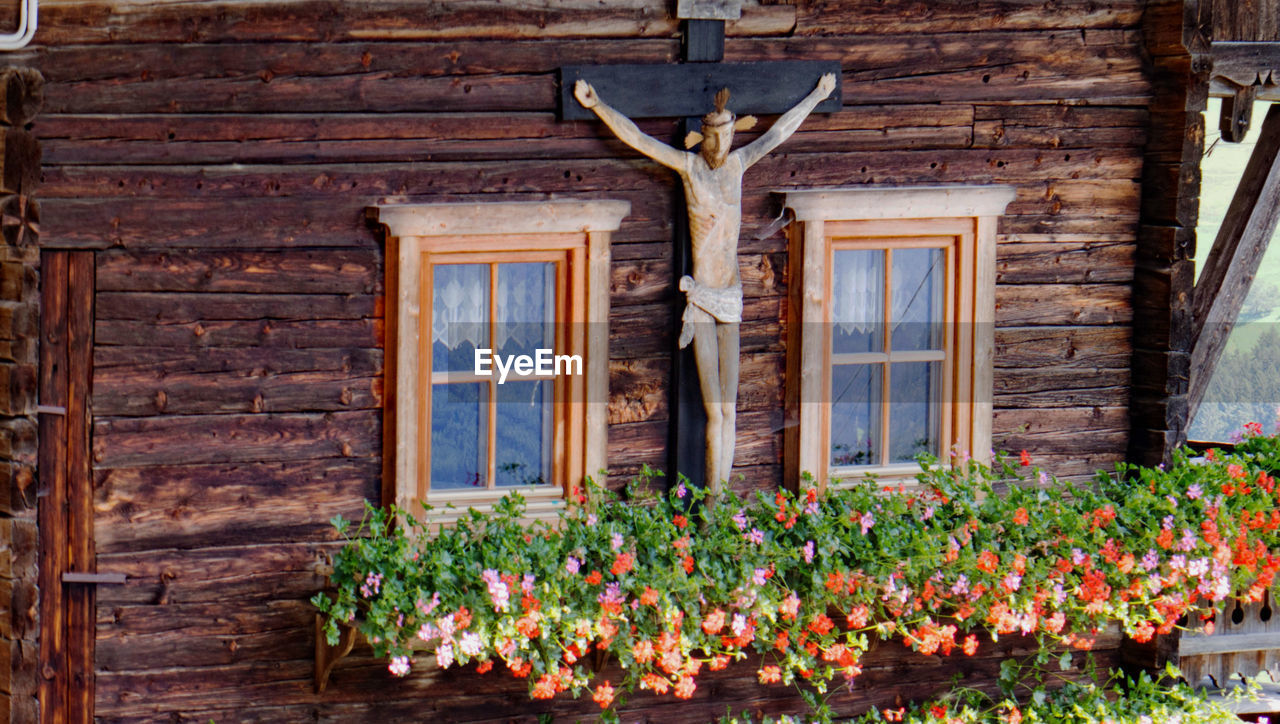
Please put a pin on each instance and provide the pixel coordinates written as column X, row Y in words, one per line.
column 706, row 267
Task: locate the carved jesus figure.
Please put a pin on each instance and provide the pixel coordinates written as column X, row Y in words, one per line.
column 713, row 192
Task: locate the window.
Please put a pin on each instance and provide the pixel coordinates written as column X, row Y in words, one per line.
column 892, row 353
column 497, row 351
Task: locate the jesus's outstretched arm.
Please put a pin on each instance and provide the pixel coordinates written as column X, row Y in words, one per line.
column 627, row 131
column 788, row 123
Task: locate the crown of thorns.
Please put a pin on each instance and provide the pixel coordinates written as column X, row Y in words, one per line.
column 721, row 115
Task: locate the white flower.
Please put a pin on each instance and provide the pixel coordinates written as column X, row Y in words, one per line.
column 444, row 656
column 399, row 665
column 470, row 643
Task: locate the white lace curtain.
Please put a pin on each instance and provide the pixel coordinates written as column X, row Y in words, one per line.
column 526, row 305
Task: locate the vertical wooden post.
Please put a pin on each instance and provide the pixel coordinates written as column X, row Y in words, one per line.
column 53, row 486
column 82, row 558
column 1164, row 267
column 67, row 620
column 703, row 43
column 21, row 91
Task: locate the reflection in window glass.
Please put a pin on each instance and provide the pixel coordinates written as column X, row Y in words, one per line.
column 917, row 299
column 459, row 429
column 913, row 419
column 523, row 436
column 855, row 415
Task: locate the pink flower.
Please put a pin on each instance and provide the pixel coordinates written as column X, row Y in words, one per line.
column 444, row 655
column 399, row 666
column 808, row 552
column 756, row 536
column 572, row 565
column 866, row 521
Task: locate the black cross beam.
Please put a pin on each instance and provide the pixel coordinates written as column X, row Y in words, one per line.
column 687, row 91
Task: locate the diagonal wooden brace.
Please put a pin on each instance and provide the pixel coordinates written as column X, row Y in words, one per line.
column 1234, row 259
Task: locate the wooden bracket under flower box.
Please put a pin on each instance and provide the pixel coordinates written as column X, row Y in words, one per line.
column 327, row 655
column 1245, row 641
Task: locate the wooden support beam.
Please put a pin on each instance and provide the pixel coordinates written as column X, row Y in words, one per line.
column 1237, row 114
column 1232, row 263
column 689, row 89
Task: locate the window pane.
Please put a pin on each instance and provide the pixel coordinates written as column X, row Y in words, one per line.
column 857, row 301
column 459, row 315
column 523, row 445
column 459, row 430
column 917, row 299
column 855, row 414
column 913, row 415
column 526, row 307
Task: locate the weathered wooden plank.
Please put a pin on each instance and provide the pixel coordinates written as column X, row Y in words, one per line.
column 180, row 307
column 205, row 575
column 66, row 23
column 142, row 62
column 80, row 540
column 400, row 137
column 256, row 223
column 112, row 364
column 943, row 165
column 1069, row 225
column 1065, row 304
column 1062, row 430
column 263, row 222
column 186, row 506
column 1089, row 395
column 1051, row 116
column 262, row 92
column 51, row 510
column 444, row 148
column 890, row 673
column 177, row 649
column 996, row 134
column 332, row 271
column 339, row 333
column 247, row 391
column 486, row 76
column 127, row 442
column 957, row 16
column 1044, row 346
column 1064, row 263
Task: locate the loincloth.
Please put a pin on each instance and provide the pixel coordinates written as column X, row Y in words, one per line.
column 706, row 304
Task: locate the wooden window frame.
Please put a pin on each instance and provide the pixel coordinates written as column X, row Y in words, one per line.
column 573, row 234
column 961, row 219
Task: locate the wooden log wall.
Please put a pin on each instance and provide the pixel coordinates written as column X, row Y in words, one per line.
column 218, row 157
column 21, row 91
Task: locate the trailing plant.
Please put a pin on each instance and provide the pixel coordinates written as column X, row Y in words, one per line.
column 1140, row 700
column 668, row 587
